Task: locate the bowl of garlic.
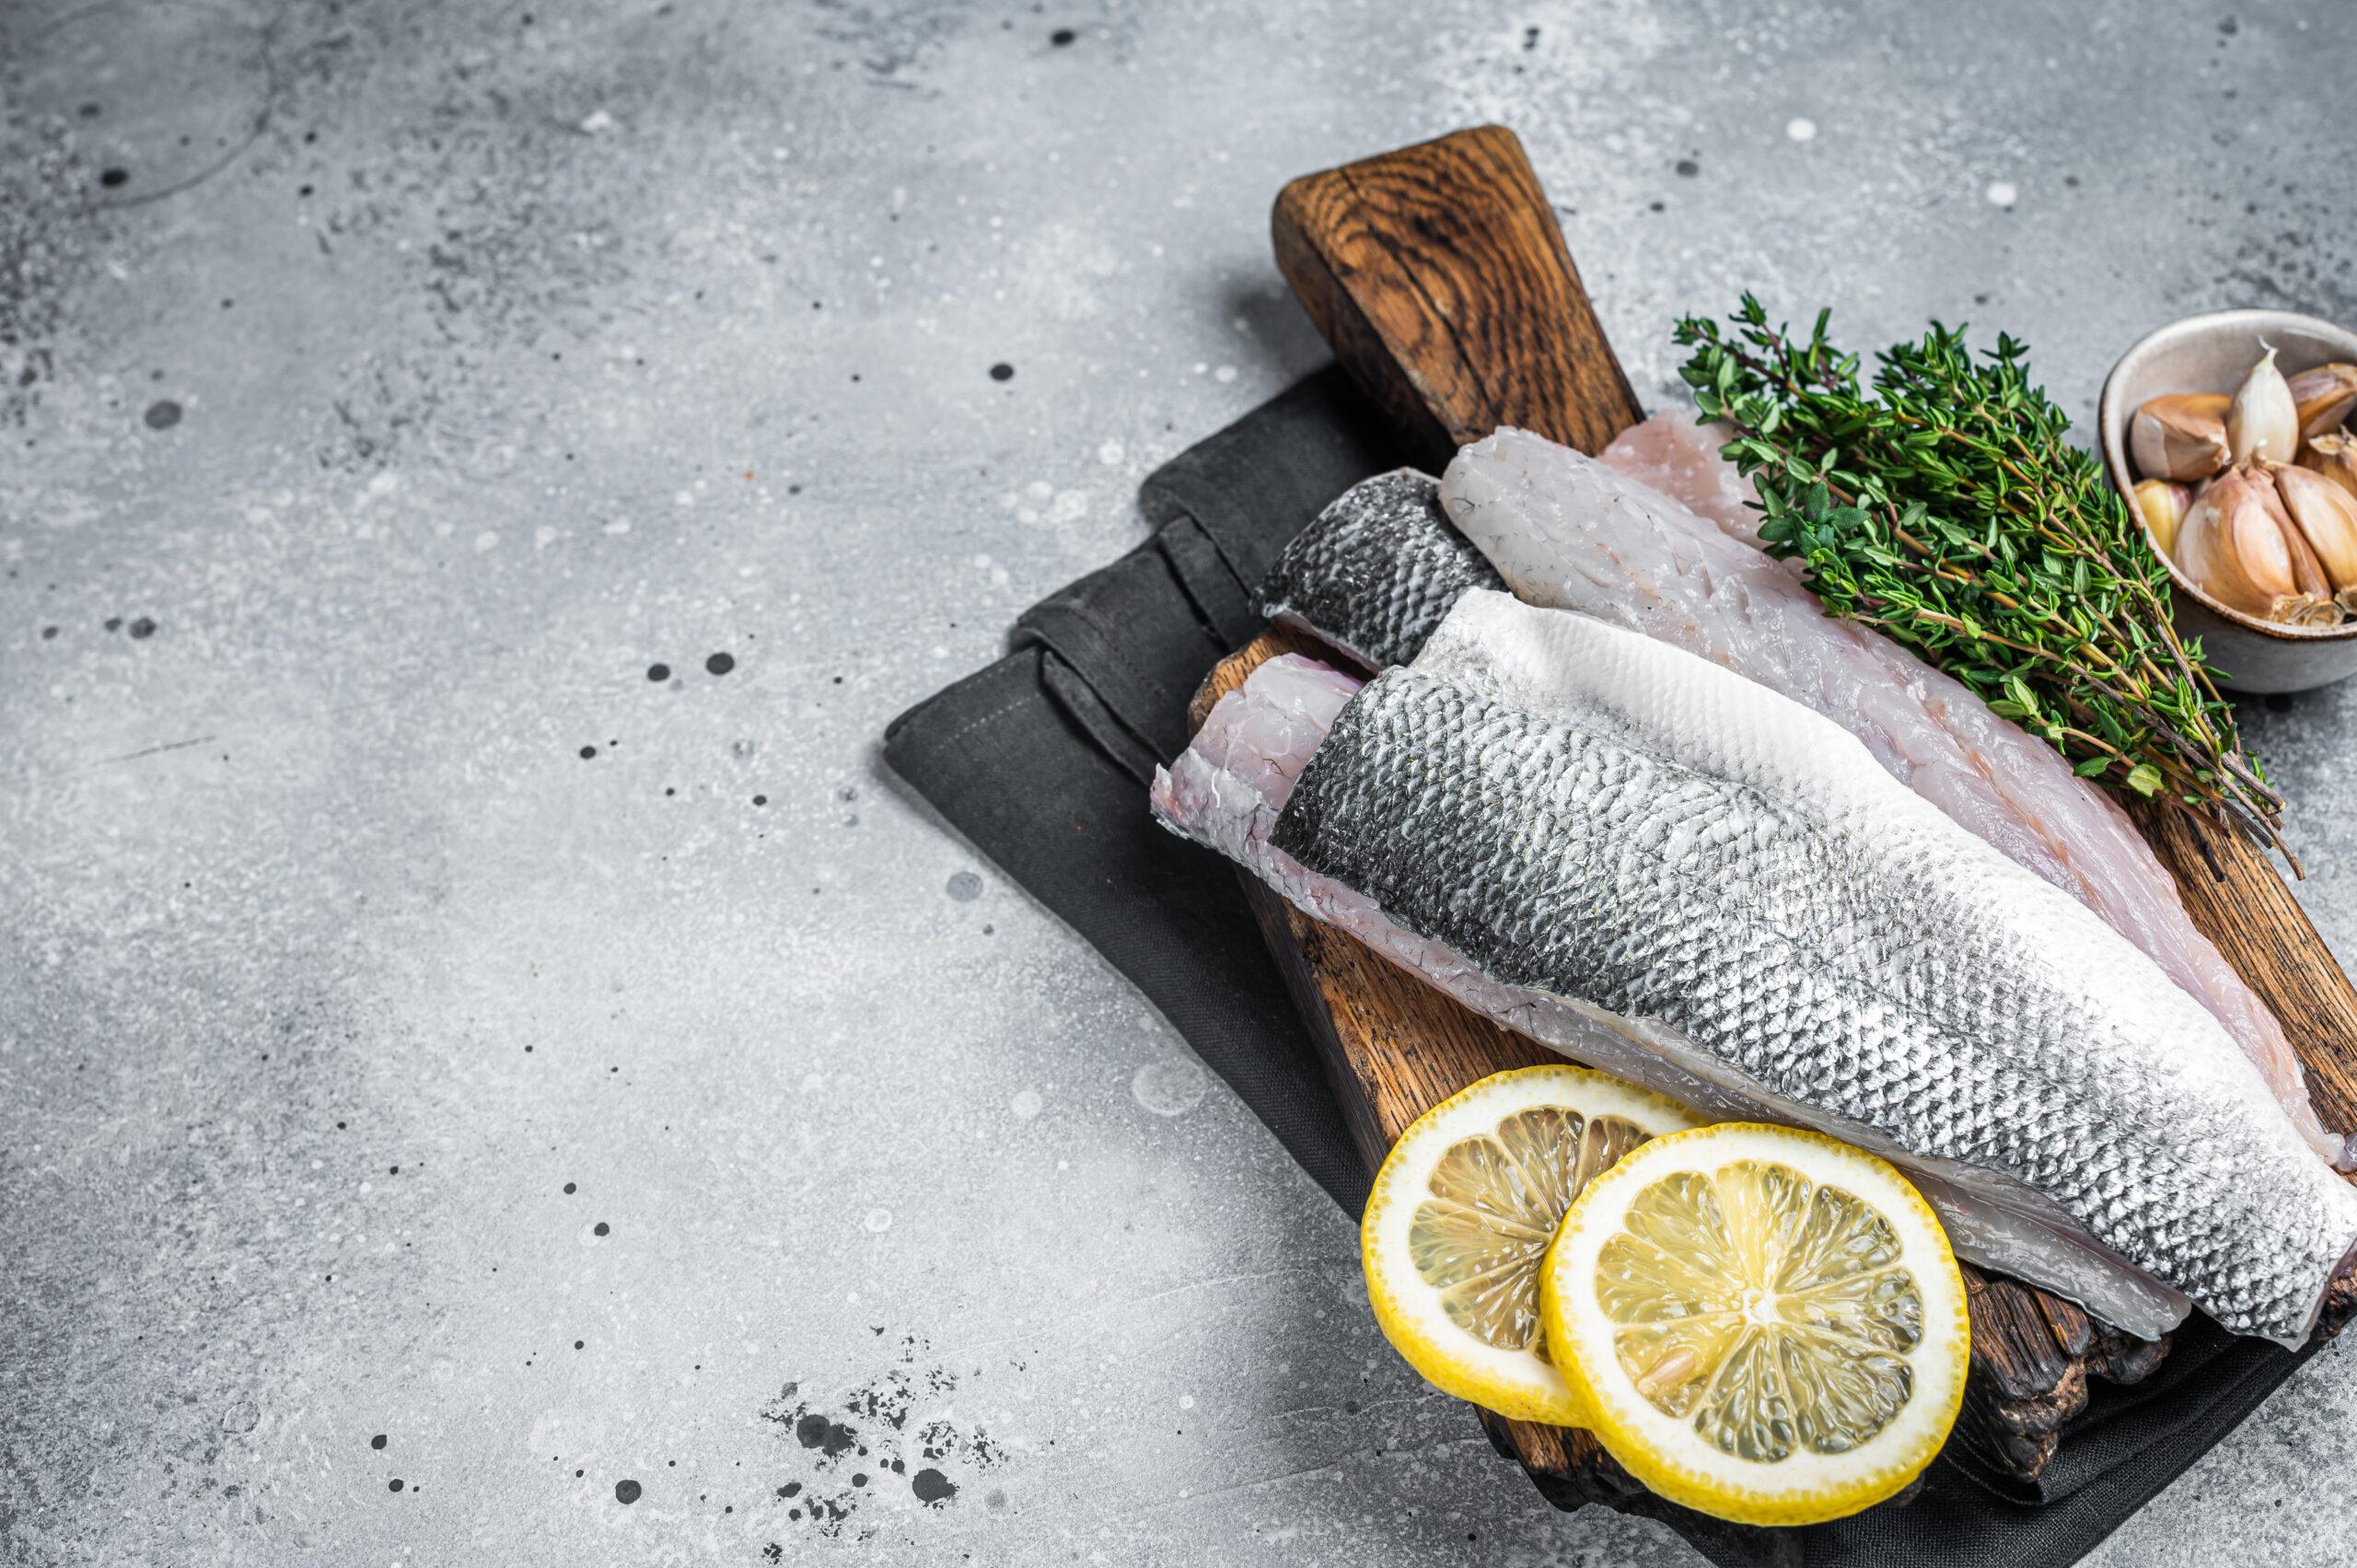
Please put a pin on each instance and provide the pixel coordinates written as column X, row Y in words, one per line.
column 2234, row 436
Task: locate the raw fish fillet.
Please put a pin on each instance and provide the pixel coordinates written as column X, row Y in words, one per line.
column 1680, row 458
column 1226, row 790
column 1800, row 936
column 1377, row 570
column 1577, row 534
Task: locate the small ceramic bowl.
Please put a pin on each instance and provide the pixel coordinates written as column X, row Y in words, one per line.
column 2213, row 354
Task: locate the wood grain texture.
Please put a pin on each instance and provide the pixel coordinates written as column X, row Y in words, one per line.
column 1443, row 283
column 1441, row 279
column 2262, row 931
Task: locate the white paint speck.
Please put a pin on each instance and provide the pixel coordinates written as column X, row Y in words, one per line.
column 1109, row 454
column 1801, row 130
column 940, row 652
column 486, row 541
column 878, row 1220
column 982, row 563
column 1070, row 505
column 1039, row 489
column 444, row 529
column 1026, row 515
column 1026, row 1103
column 684, row 498
column 544, row 536
column 2001, row 194
column 601, row 120
column 1186, row 1401
column 618, row 527
column 1169, row 1088
column 1224, row 373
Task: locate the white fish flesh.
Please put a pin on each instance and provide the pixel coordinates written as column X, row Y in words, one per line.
column 1680, row 458
column 1568, row 531
column 1790, row 932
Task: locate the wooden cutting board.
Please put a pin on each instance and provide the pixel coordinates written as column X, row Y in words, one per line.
column 1443, row 283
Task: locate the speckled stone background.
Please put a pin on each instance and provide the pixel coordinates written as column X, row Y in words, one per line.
column 490, row 1068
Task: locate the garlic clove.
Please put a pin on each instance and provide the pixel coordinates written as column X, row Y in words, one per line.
column 2262, row 422
column 2322, row 398
column 2325, row 516
column 2231, row 549
column 2180, row 437
column 2307, row 569
column 2333, row 455
column 2162, row 504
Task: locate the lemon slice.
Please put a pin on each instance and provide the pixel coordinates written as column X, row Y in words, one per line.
column 1461, row 1215
column 1760, row 1323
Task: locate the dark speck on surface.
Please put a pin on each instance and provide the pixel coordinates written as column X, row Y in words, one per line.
column 112, row 624
column 601, row 1228
column 568, row 1188
column 720, row 664
column 760, row 800
column 1689, row 168
column 627, row 1491
column 162, row 414
column 377, row 1441
column 48, row 633
column 394, row 1484
column 932, row 1486
column 587, row 752
column 1062, row 37
column 142, row 627
column 964, row 887
column 112, row 178
column 1001, row 371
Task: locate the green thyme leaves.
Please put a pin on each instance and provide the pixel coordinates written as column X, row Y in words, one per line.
column 1943, row 505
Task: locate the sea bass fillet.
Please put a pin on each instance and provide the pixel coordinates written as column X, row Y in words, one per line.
column 1572, row 532
column 1226, row 790
column 1377, row 570
column 1731, row 889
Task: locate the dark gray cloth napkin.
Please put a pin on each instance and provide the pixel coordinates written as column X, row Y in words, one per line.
column 1041, row 761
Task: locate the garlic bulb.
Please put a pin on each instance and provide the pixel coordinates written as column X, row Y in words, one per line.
column 2163, row 505
column 2322, row 398
column 2326, row 515
column 2262, row 422
column 2238, row 546
column 2333, row 455
column 2181, row 437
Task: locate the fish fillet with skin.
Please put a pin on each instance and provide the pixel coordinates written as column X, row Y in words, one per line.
column 1568, row 531
column 1805, row 934
column 1377, row 571
column 1226, row 791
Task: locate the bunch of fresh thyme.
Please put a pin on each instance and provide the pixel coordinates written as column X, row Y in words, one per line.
column 1946, row 509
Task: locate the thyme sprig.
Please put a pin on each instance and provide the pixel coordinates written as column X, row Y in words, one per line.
column 1947, row 508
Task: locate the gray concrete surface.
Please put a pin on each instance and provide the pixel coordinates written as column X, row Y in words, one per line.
column 392, row 1094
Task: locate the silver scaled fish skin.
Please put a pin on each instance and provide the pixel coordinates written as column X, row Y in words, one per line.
column 1377, row 571
column 1926, row 995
